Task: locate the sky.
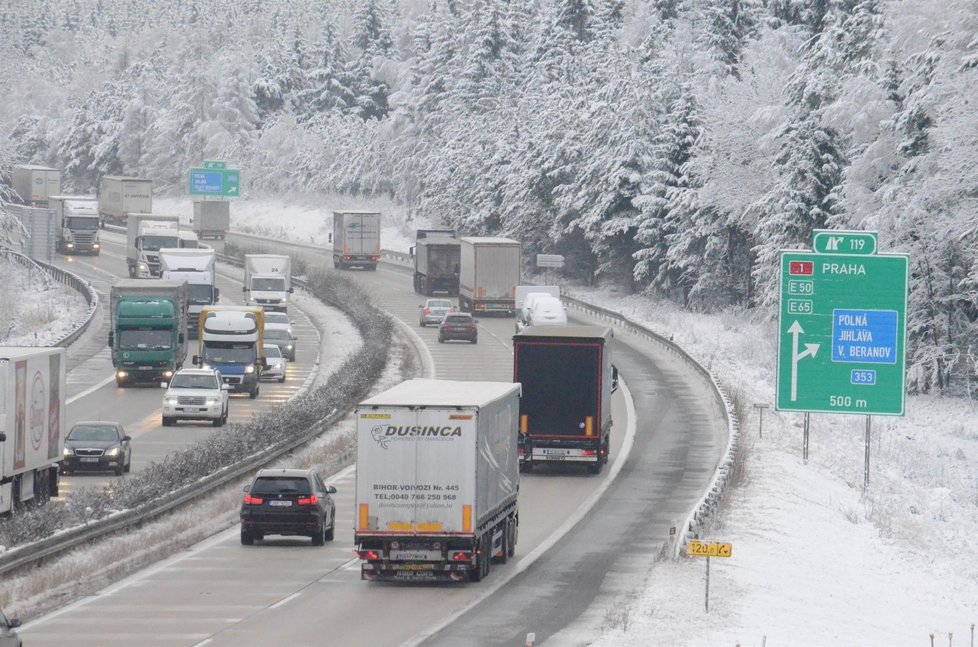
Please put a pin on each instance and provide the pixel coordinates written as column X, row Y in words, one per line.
column 817, row 558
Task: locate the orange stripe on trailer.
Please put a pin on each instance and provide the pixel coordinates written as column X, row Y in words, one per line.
column 524, row 423
column 479, row 292
column 589, row 426
column 466, row 518
column 364, row 509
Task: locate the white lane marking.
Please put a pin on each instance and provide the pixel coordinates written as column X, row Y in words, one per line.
column 548, row 543
column 91, row 389
column 204, row 642
column 285, row 601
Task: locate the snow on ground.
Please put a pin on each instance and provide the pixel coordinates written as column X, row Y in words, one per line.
column 817, row 560
column 35, row 311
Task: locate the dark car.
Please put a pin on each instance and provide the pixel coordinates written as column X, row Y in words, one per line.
column 280, row 336
column 458, row 325
column 8, row 637
column 97, row 446
column 288, row 502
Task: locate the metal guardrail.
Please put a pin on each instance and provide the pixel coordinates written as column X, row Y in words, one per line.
column 67, row 278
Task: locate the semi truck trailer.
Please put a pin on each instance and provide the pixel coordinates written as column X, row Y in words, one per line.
column 489, row 274
column 356, row 239
column 567, row 379
column 32, row 423
column 118, row 196
column 212, row 218
column 36, row 184
column 437, row 480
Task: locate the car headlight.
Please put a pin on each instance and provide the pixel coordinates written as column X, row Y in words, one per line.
column 96, row 246
column 70, row 245
column 170, row 399
column 213, row 400
column 112, row 453
column 250, row 368
column 289, row 347
column 68, row 451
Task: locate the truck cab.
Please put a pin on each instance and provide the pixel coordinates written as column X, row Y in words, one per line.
column 231, row 342
column 196, row 267
column 268, row 281
column 147, row 234
column 78, row 224
column 145, row 338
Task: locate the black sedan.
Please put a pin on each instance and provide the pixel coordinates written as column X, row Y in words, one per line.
column 288, row 502
column 97, row 446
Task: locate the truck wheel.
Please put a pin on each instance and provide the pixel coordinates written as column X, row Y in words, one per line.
column 513, row 532
column 503, row 557
column 253, row 393
column 595, row 468
column 479, row 571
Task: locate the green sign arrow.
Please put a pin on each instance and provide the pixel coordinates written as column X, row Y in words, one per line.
column 833, row 241
column 842, row 333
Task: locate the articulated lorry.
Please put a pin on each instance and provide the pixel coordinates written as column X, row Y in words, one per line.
column 437, row 480
column 147, row 336
column 35, row 184
column 196, row 267
column 567, row 379
column 267, row 281
column 120, row 196
column 437, row 255
column 356, row 239
column 489, row 275
column 230, row 340
column 32, row 423
column 212, row 218
column 146, row 235
column 77, row 221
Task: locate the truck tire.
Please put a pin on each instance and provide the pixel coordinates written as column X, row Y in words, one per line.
column 513, row 535
column 595, row 468
column 504, row 549
column 253, row 393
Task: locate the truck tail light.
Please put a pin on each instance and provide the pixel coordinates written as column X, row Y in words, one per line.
column 427, row 311
column 461, row 556
column 376, row 258
column 588, row 452
column 369, row 555
column 310, row 500
column 253, row 500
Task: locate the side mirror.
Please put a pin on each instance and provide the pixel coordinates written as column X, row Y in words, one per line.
column 291, row 290
column 330, row 489
column 195, row 360
column 295, row 339
column 111, row 338
column 180, row 338
column 13, row 623
column 3, row 437
column 217, row 294
column 164, row 385
column 246, row 488
column 126, row 439
column 614, row 379
column 244, row 288
column 411, row 252
column 329, row 238
column 475, row 321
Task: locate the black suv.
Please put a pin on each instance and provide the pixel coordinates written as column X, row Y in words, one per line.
column 458, row 325
column 288, row 502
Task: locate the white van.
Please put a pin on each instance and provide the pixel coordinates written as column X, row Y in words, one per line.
column 547, row 311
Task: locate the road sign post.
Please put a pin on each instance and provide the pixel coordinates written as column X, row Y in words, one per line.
column 696, row 548
column 842, row 332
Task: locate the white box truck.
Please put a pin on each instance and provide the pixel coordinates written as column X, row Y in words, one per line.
column 356, row 239
column 32, row 420
column 146, row 235
column 489, row 275
column 212, row 219
column 119, row 196
column 36, row 184
column 437, row 480
column 196, row 267
column 268, row 281
column 76, row 217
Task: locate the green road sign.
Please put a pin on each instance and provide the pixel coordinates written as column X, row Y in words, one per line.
column 842, row 333
column 215, row 165
column 834, row 241
column 215, row 182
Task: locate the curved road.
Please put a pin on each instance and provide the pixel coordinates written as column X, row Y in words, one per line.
column 286, row 592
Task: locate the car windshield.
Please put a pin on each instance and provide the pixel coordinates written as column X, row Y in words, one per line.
column 144, row 340
column 457, row 319
column 156, row 243
column 200, row 294
column 281, row 485
column 277, row 318
column 440, row 303
column 271, row 350
column 93, row 432
column 228, row 354
column 277, row 335
column 194, row 382
column 268, row 285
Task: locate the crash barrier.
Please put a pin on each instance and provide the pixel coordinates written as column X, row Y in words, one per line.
column 51, row 272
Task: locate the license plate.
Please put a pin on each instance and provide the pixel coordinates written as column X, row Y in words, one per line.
column 416, row 567
column 555, row 452
column 88, row 459
column 145, row 368
column 415, row 555
column 554, row 458
column 283, row 504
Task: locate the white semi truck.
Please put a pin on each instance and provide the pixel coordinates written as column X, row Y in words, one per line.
column 268, row 281
column 196, row 267
column 490, row 272
column 120, row 196
column 32, row 424
column 437, row 480
column 146, row 235
column 76, row 217
column 35, row 184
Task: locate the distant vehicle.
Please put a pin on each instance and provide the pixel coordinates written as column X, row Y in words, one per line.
column 567, row 379
column 212, row 218
column 148, row 320
column 356, row 239
column 268, row 281
column 32, row 424
column 230, row 340
column 288, row 502
column 8, row 637
column 97, row 446
column 272, row 317
column 277, row 363
column 281, row 336
column 547, row 312
column 146, row 235
column 526, row 294
column 458, row 325
column 196, row 267
column 195, row 394
column 434, row 310
column 35, row 184
column 437, row 254
column 437, row 480
column 489, row 273
column 76, row 217
column 120, row 196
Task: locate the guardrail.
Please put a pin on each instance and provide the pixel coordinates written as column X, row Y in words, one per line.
column 67, row 278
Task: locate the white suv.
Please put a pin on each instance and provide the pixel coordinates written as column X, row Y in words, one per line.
column 195, row 394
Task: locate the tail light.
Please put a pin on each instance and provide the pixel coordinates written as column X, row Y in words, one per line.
column 253, row 500
column 471, row 326
column 376, row 258
column 521, row 450
column 588, row 452
column 311, row 500
column 369, row 555
column 427, row 311
column 461, row 556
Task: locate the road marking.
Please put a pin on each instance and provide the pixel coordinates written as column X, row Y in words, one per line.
column 91, row 389
column 285, row 601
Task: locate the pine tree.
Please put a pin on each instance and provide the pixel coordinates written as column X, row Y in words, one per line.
column 729, row 25
column 326, row 80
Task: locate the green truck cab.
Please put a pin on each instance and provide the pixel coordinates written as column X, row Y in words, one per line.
column 148, row 320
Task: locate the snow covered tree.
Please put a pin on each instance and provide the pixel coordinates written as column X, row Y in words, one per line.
column 729, row 24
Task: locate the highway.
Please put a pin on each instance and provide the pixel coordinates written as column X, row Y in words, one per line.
column 286, row 592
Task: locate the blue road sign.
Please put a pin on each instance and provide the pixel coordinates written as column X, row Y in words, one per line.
column 864, row 336
column 206, row 182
